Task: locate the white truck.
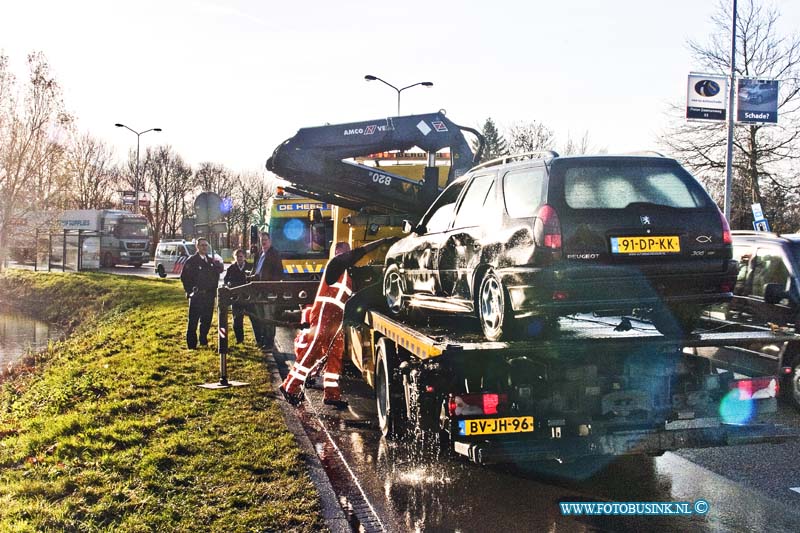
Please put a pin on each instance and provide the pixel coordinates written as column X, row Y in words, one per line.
column 124, row 236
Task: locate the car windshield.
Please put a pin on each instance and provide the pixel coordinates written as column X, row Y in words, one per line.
column 133, row 230
column 618, row 184
column 299, row 236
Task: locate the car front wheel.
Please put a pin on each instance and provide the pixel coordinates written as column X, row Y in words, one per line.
column 494, row 308
column 160, row 271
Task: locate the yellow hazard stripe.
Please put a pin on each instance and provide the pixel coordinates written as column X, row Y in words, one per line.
column 421, row 346
column 303, row 268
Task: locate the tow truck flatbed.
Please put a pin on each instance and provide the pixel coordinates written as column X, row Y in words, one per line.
column 579, row 332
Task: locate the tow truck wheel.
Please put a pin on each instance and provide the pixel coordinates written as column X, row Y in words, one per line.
column 160, row 271
column 387, row 392
column 494, row 308
column 393, row 289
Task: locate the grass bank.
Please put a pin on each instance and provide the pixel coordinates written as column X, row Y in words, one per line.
column 106, row 431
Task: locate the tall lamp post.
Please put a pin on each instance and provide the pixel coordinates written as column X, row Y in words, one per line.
column 136, row 184
column 370, row 77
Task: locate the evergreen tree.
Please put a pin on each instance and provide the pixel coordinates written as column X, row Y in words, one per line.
column 495, row 146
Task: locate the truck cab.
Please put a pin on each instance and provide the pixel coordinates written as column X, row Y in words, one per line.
column 302, row 231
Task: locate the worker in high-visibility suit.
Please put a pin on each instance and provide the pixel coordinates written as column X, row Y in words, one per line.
column 324, row 335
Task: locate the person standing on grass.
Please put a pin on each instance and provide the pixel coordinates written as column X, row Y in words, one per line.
column 200, row 278
column 235, row 276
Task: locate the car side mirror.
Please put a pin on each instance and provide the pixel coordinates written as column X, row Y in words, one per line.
column 408, row 227
column 774, row 293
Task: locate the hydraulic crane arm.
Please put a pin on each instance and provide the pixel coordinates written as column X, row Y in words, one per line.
column 314, row 161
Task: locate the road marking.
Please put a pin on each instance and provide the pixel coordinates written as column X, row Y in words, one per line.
column 796, row 489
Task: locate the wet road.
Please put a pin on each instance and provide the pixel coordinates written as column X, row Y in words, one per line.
column 415, row 486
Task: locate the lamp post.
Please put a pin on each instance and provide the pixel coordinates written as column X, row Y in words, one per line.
column 370, row 77
column 136, row 181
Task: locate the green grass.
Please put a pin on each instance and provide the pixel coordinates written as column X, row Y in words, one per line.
column 107, row 431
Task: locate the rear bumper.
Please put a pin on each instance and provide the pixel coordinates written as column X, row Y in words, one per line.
column 610, row 288
column 642, row 442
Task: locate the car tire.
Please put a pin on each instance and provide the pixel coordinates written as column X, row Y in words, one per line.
column 388, row 393
column 160, row 271
column 393, row 290
column 677, row 321
column 494, row 308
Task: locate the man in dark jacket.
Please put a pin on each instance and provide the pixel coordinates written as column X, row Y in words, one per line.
column 268, row 267
column 200, row 278
column 235, row 276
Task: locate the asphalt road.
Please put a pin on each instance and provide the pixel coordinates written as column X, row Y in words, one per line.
column 415, row 486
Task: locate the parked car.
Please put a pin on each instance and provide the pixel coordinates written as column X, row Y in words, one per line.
column 758, row 93
column 766, row 293
column 521, row 240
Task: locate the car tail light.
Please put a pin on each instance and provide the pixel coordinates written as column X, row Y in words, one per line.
column 756, row 388
column 487, row 403
column 726, row 228
column 552, row 227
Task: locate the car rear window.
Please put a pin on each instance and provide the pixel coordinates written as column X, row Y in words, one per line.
column 616, row 185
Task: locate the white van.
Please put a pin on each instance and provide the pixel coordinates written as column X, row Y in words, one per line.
column 171, row 255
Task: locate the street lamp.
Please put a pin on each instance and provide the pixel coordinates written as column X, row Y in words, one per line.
column 136, row 184
column 370, row 77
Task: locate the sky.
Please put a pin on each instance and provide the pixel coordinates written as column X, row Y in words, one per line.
column 228, row 81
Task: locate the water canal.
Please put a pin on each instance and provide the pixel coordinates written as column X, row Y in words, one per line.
column 20, row 334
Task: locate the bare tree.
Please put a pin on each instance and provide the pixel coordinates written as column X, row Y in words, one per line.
column 251, row 193
column 579, row 146
column 92, row 174
column 169, row 180
column 213, row 177
column 530, row 137
column 30, row 148
column 765, row 157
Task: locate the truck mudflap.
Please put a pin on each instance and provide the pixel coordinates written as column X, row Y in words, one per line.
column 641, row 442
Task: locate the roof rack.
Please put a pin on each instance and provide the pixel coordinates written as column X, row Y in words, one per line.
column 540, row 154
column 645, row 152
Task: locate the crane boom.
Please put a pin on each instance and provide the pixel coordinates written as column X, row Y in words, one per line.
column 315, row 161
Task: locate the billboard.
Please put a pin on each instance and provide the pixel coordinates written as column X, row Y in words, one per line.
column 757, row 101
column 705, row 97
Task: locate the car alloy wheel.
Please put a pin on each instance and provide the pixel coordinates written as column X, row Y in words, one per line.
column 493, row 307
column 393, row 289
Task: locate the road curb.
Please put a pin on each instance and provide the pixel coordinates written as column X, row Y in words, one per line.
column 332, row 512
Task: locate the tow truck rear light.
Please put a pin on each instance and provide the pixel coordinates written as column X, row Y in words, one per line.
column 559, row 296
column 726, row 229
column 787, row 370
column 552, row 227
column 756, row 388
column 477, row 404
column 726, row 287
